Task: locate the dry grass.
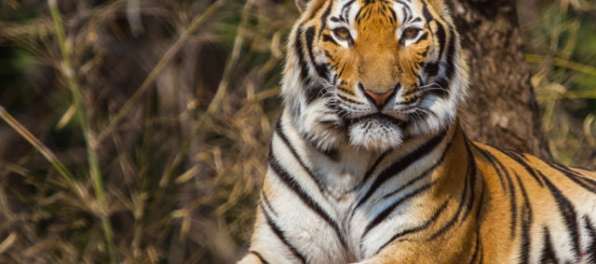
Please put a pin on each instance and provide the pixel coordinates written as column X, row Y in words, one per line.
column 164, row 109
column 559, row 45
column 152, row 131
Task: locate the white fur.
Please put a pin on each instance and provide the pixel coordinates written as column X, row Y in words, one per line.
column 376, row 134
column 342, row 187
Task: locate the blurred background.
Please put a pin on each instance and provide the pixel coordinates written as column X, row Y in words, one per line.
column 137, row 131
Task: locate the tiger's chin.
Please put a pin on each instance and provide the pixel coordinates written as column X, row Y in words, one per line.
column 376, row 133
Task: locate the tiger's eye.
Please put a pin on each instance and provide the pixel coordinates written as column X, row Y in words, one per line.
column 342, row 33
column 410, row 33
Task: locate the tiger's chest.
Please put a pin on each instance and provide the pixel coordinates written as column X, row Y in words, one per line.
column 331, row 222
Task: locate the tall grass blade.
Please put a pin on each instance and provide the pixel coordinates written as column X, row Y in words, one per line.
column 90, row 139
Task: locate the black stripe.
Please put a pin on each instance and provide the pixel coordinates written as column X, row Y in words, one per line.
column 263, row 261
column 340, row 88
column 519, row 159
column 464, row 194
column 367, row 175
column 510, row 189
column 442, row 83
column 344, row 98
column 328, row 38
column 324, row 18
column 425, row 52
column 320, row 68
column 431, row 69
column 476, row 250
column 591, row 249
column 450, row 56
column 471, row 179
column 548, row 254
column 492, row 160
column 441, row 38
column 469, row 186
column 427, row 15
column 424, row 36
column 407, row 10
column 346, row 9
column 512, row 203
column 402, row 164
column 587, row 183
column 385, row 213
column 372, row 169
column 423, row 174
column 413, row 181
column 341, row 71
column 393, row 17
column 359, row 15
column 280, row 234
column 298, row 48
column 567, row 211
column 448, row 65
column 314, row 92
column 293, row 185
column 267, row 203
column 279, row 131
column 416, row 229
column 526, row 222
column 405, row 13
column 478, row 245
column 332, row 154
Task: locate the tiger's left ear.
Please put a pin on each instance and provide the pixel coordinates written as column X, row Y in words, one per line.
column 302, row 4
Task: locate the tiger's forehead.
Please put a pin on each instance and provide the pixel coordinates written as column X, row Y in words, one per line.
column 385, row 11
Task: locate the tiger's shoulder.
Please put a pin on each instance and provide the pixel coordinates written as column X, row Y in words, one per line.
column 501, row 158
column 540, row 182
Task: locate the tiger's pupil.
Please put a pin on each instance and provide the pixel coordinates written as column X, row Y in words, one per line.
column 342, row 33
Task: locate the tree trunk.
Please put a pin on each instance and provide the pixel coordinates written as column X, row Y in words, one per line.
column 501, row 108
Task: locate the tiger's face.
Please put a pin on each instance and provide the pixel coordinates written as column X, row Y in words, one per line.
column 373, row 73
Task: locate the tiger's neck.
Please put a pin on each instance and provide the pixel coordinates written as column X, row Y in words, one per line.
column 366, row 193
column 346, row 170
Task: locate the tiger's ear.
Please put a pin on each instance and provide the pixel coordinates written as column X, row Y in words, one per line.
column 302, row 4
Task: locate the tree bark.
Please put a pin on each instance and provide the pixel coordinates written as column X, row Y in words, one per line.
column 501, row 108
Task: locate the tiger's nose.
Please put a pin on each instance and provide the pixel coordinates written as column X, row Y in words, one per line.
column 379, row 98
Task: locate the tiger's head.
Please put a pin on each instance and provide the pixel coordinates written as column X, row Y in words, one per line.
column 373, row 73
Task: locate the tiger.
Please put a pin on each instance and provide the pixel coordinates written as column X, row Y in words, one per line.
column 369, row 163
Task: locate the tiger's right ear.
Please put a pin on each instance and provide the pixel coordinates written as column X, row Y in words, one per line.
column 302, row 4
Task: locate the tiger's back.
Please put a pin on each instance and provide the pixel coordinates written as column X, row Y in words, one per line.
column 368, row 162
